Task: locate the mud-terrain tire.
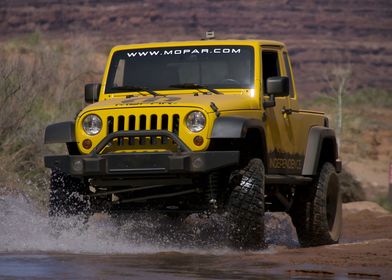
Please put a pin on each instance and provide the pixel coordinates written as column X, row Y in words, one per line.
column 317, row 210
column 67, row 196
column 246, row 207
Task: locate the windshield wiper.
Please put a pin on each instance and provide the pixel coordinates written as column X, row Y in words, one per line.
column 136, row 89
column 195, row 86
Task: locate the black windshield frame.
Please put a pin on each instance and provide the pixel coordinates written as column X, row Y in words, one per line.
column 215, row 66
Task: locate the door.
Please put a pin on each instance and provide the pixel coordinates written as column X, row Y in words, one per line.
column 281, row 156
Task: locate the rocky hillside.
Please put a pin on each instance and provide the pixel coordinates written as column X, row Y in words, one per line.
column 320, row 34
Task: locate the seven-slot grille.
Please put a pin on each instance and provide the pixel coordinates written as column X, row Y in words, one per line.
column 144, row 122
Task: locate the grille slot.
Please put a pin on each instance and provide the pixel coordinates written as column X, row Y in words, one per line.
column 142, row 125
column 154, row 121
column 120, row 127
column 110, row 124
column 132, row 122
column 176, row 124
column 165, row 122
column 120, row 123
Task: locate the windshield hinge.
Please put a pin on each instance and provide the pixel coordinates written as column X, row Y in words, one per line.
column 215, row 109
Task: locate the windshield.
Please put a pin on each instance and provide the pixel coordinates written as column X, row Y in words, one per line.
column 222, row 67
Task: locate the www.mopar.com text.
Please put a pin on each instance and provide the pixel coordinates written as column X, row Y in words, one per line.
column 184, row 51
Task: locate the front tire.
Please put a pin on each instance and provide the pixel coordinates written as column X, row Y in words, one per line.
column 317, row 211
column 246, row 207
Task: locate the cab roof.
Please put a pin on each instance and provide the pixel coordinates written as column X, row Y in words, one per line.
column 201, row 42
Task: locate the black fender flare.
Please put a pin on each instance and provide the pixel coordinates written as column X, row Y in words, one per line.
column 234, row 127
column 63, row 132
column 316, row 137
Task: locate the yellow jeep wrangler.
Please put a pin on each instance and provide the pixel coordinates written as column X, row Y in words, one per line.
column 188, row 127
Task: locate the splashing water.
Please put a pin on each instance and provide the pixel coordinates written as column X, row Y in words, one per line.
column 26, row 228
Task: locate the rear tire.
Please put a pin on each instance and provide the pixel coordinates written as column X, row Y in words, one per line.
column 317, row 211
column 67, row 196
column 246, row 207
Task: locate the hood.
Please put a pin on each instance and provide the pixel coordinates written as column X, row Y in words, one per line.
column 224, row 102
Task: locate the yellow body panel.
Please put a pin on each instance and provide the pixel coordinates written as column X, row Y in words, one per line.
column 285, row 133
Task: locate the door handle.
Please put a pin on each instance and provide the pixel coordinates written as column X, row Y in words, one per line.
column 287, row 111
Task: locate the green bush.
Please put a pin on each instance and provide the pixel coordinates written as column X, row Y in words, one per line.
column 385, row 203
column 369, row 97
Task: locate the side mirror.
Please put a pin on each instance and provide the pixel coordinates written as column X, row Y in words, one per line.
column 278, row 86
column 91, row 92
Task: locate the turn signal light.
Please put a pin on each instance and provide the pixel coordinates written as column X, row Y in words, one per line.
column 87, row 144
column 198, row 140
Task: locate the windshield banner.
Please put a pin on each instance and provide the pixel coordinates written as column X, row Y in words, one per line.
column 165, row 52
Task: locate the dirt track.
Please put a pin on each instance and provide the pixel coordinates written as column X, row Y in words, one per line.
column 365, row 249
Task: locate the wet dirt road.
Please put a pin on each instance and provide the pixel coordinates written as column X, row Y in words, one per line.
column 145, row 248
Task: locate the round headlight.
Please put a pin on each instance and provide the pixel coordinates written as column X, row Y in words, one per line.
column 195, row 121
column 92, row 124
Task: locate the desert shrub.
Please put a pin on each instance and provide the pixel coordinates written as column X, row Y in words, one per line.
column 370, row 97
column 351, row 188
column 41, row 82
column 385, row 202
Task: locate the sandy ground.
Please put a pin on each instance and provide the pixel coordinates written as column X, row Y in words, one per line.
column 365, row 250
column 368, row 154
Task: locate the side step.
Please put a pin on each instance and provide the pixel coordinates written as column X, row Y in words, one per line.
column 287, row 180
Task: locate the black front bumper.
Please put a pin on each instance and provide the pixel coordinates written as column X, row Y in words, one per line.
column 125, row 164
column 142, row 163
